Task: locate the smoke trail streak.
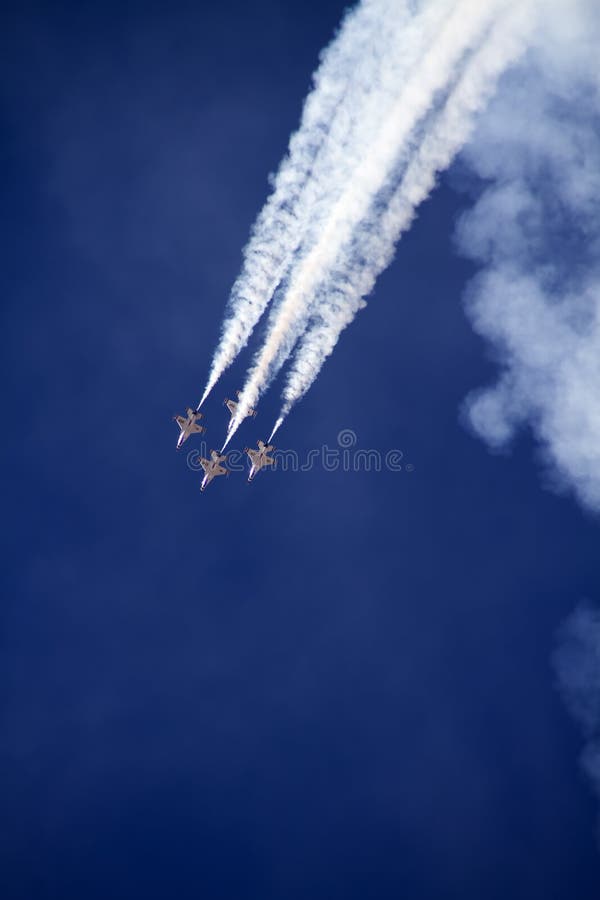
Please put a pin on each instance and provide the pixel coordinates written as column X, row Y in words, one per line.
column 461, row 31
column 324, row 151
column 372, row 249
column 276, row 427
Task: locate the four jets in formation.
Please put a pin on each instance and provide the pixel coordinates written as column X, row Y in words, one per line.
column 189, row 424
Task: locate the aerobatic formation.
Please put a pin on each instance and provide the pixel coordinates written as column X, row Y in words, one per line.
column 396, row 97
column 214, row 467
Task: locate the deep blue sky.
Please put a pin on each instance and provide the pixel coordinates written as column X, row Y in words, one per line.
column 320, row 685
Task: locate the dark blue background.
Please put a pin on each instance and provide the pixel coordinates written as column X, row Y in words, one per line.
column 320, row 685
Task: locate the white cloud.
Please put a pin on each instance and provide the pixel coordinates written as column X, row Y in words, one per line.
column 577, row 664
column 536, row 231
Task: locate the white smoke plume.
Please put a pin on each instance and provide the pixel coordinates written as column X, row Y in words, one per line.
column 372, row 248
column 463, row 29
column 536, row 231
column 337, row 118
column 577, row 664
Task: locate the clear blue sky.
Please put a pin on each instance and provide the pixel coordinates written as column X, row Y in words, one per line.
column 320, row 685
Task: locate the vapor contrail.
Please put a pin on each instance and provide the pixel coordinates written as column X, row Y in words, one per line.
column 337, row 118
column 372, row 248
column 462, row 30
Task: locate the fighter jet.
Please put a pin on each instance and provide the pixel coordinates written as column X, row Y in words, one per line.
column 232, row 407
column 188, row 425
column 259, row 458
column 212, row 467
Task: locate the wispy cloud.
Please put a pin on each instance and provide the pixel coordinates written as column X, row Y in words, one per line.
column 577, row 664
column 536, row 231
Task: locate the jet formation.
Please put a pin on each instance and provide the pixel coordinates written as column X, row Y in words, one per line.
column 213, row 467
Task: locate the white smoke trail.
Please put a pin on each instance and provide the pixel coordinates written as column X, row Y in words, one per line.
column 372, row 249
column 461, row 31
column 337, row 118
column 276, row 427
